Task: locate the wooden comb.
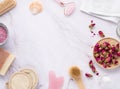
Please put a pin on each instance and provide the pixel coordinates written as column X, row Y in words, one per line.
column 6, row 5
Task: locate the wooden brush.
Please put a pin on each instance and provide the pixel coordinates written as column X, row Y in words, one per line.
column 6, row 5
column 76, row 75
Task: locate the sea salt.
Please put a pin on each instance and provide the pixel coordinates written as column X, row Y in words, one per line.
column 3, row 34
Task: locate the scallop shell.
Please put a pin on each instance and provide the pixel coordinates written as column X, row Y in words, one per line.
column 35, row 7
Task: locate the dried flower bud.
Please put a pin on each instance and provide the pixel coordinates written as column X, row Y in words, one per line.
column 88, row 75
column 101, row 34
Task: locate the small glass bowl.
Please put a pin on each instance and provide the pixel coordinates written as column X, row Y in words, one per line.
column 118, row 29
column 6, row 29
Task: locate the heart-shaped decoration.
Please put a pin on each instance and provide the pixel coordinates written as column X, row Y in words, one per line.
column 55, row 82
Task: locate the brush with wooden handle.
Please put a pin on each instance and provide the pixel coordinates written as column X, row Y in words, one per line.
column 76, row 75
column 6, row 5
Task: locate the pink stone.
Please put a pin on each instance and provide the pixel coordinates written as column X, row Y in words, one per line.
column 55, row 82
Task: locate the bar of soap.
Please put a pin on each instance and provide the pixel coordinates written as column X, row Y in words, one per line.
column 6, row 59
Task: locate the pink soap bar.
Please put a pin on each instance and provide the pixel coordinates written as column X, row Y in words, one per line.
column 3, row 34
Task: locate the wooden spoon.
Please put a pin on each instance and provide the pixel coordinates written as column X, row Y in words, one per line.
column 76, row 75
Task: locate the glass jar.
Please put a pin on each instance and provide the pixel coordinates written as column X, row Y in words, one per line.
column 118, row 29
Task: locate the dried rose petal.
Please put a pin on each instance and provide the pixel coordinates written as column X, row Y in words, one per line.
column 92, row 66
column 90, row 63
column 118, row 53
column 92, row 25
column 93, row 69
column 108, row 59
column 97, row 73
column 88, row 75
column 117, row 46
column 116, row 62
column 101, row 34
column 69, row 9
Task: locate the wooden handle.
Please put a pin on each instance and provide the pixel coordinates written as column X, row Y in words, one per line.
column 80, row 84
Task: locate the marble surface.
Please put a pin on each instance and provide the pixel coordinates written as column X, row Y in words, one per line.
column 51, row 41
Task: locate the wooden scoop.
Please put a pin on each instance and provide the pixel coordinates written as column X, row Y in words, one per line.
column 76, row 75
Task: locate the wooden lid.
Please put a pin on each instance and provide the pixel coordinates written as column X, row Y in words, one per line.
column 20, row 81
column 24, row 79
column 33, row 75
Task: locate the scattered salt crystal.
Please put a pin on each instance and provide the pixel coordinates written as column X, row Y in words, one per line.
column 106, row 79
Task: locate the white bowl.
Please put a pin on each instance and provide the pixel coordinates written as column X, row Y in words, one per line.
column 5, row 28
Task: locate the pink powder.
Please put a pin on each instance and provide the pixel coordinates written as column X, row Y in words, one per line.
column 3, row 34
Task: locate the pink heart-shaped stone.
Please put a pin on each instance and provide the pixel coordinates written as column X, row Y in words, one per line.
column 54, row 82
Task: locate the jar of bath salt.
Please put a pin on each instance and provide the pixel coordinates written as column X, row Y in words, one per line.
column 118, row 29
column 3, row 34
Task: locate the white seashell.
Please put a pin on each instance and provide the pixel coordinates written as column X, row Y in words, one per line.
column 35, row 7
column 69, row 9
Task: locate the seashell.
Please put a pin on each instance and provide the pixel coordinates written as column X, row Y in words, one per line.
column 35, row 7
column 69, row 9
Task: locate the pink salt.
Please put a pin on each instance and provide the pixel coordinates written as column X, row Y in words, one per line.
column 3, row 34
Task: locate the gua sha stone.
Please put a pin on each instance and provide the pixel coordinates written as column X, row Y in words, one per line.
column 55, row 82
column 69, row 9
